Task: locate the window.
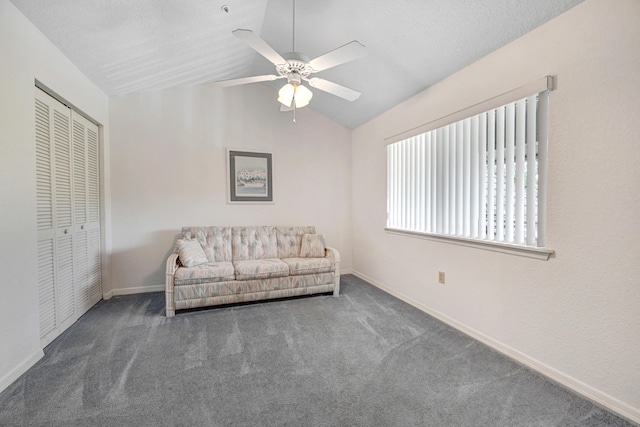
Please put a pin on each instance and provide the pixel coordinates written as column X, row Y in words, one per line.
column 481, row 178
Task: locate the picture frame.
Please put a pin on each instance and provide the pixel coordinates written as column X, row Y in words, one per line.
column 249, row 176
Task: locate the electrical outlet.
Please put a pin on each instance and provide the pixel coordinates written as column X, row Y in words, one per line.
column 441, row 277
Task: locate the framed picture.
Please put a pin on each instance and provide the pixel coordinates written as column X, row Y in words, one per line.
column 250, row 176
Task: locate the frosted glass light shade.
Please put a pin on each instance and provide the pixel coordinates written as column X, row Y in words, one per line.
column 294, row 93
column 285, row 94
column 302, row 96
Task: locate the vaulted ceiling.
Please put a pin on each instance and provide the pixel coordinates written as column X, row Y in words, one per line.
column 141, row 45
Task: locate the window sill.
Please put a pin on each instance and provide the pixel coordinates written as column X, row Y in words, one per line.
column 505, row 248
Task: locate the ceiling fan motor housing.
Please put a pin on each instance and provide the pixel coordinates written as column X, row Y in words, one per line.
column 296, row 68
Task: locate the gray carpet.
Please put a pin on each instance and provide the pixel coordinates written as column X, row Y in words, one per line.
column 363, row 359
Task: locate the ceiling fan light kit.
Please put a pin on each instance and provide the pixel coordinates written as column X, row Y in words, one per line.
column 299, row 95
column 294, row 92
column 296, row 67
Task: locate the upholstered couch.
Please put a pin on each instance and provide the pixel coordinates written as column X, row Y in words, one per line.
column 222, row 265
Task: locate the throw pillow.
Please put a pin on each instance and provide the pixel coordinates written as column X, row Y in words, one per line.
column 312, row 246
column 190, row 252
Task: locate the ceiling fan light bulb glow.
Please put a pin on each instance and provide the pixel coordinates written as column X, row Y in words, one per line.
column 285, row 94
column 302, row 96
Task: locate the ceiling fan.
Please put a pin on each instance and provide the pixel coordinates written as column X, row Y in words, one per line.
column 297, row 67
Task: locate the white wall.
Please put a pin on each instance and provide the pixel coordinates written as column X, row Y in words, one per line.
column 576, row 316
column 168, row 171
column 25, row 55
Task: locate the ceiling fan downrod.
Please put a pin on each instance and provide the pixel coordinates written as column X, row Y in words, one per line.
column 294, row 27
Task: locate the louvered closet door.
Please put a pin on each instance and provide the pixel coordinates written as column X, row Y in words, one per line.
column 45, row 224
column 68, row 215
column 63, row 208
column 55, row 217
column 94, row 253
column 86, row 209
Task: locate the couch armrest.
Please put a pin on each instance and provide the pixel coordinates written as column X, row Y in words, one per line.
column 172, row 266
column 333, row 253
column 172, row 263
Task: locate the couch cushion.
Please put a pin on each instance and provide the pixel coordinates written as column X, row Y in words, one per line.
column 299, row 266
column 215, row 241
column 312, row 246
column 260, row 269
column 290, row 239
column 254, row 243
column 190, row 252
column 204, row 273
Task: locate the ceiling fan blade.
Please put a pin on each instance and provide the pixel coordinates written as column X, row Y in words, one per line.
column 245, row 80
column 285, row 109
column 346, row 53
column 259, row 45
column 334, row 89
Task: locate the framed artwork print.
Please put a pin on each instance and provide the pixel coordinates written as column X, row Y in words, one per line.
column 250, row 176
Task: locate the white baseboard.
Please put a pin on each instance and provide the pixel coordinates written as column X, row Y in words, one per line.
column 136, row 290
column 585, row 390
column 23, row 367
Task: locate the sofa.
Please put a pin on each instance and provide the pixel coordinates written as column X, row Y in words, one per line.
column 222, row 265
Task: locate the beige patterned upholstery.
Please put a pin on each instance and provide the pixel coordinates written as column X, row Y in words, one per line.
column 239, row 288
column 299, row 266
column 215, row 241
column 250, row 264
column 254, row 243
column 190, row 252
column 290, row 239
column 312, row 246
column 205, row 273
column 260, row 269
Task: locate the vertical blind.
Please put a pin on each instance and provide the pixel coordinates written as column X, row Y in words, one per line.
column 483, row 177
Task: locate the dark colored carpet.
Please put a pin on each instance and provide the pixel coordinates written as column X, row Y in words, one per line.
column 363, row 359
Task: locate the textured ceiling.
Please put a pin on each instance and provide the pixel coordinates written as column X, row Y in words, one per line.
column 139, row 45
